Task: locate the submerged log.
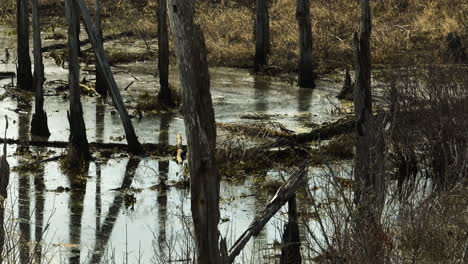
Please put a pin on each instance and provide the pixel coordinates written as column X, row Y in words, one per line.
column 6, row 75
column 283, row 195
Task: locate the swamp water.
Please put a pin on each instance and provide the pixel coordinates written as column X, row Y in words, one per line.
column 127, row 209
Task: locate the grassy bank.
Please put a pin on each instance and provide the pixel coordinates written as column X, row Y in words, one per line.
column 402, row 29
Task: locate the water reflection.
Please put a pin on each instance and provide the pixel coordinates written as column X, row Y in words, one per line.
column 77, row 195
column 24, row 205
column 261, row 87
column 304, row 99
column 163, row 167
column 104, row 233
column 39, row 188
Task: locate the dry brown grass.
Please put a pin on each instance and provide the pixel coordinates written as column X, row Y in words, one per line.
column 402, row 29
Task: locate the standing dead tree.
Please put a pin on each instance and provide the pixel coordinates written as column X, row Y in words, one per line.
column 262, row 35
column 39, row 120
column 23, row 71
column 79, row 148
column 164, row 96
column 134, row 145
column 200, row 130
column 369, row 158
column 101, row 86
column 4, row 180
column 306, row 67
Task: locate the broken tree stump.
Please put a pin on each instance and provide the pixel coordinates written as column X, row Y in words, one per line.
column 291, row 245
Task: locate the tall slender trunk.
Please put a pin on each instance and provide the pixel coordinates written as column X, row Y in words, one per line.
column 164, row 96
column 306, row 67
column 101, row 86
column 24, row 76
column 262, row 35
column 369, row 158
column 134, row 145
column 79, row 149
column 39, row 120
column 200, row 130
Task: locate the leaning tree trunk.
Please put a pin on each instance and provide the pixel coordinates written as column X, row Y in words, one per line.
column 164, row 96
column 79, row 149
column 101, row 86
column 134, row 145
column 306, row 67
column 39, row 120
column 262, row 34
column 24, row 76
column 200, row 130
column 369, row 158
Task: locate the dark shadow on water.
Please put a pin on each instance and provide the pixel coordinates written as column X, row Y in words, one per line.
column 304, row 99
column 77, row 195
column 104, row 233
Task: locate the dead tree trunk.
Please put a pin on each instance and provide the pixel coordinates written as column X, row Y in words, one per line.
column 101, row 86
column 23, row 72
column 368, row 167
column 291, row 248
column 39, row 120
column 134, row 145
column 200, row 129
column 306, row 67
column 164, row 97
column 79, row 148
column 262, row 35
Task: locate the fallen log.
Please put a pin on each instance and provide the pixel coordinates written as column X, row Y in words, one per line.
column 282, row 196
column 339, row 127
column 158, row 148
column 7, row 75
column 86, row 41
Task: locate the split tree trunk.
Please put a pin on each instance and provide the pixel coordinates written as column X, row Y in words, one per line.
column 306, row 67
column 79, row 148
column 262, row 35
column 101, row 86
column 134, row 145
column 164, row 96
column 23, row 72
column 39, row 120
column 200, row 129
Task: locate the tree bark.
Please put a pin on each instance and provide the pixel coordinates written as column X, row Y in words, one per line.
column 291, row 248
column 262, row 35
column 79, row 148
column 200, row 129
column 369, row 158
column 101, row 86
column 39, row 120
column 134, row 145
column 164, row 96
column 24, row 76
column 306, row 67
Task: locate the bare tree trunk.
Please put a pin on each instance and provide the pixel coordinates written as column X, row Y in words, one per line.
column 291, row 248
column 306, row 67
column 369, row 159
column 24, row 76
column 101, row 86
column 164, row 96
column 134, row 145
column 79, row 149
column 39, row 120
column 262, row 35
column 200, row 130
